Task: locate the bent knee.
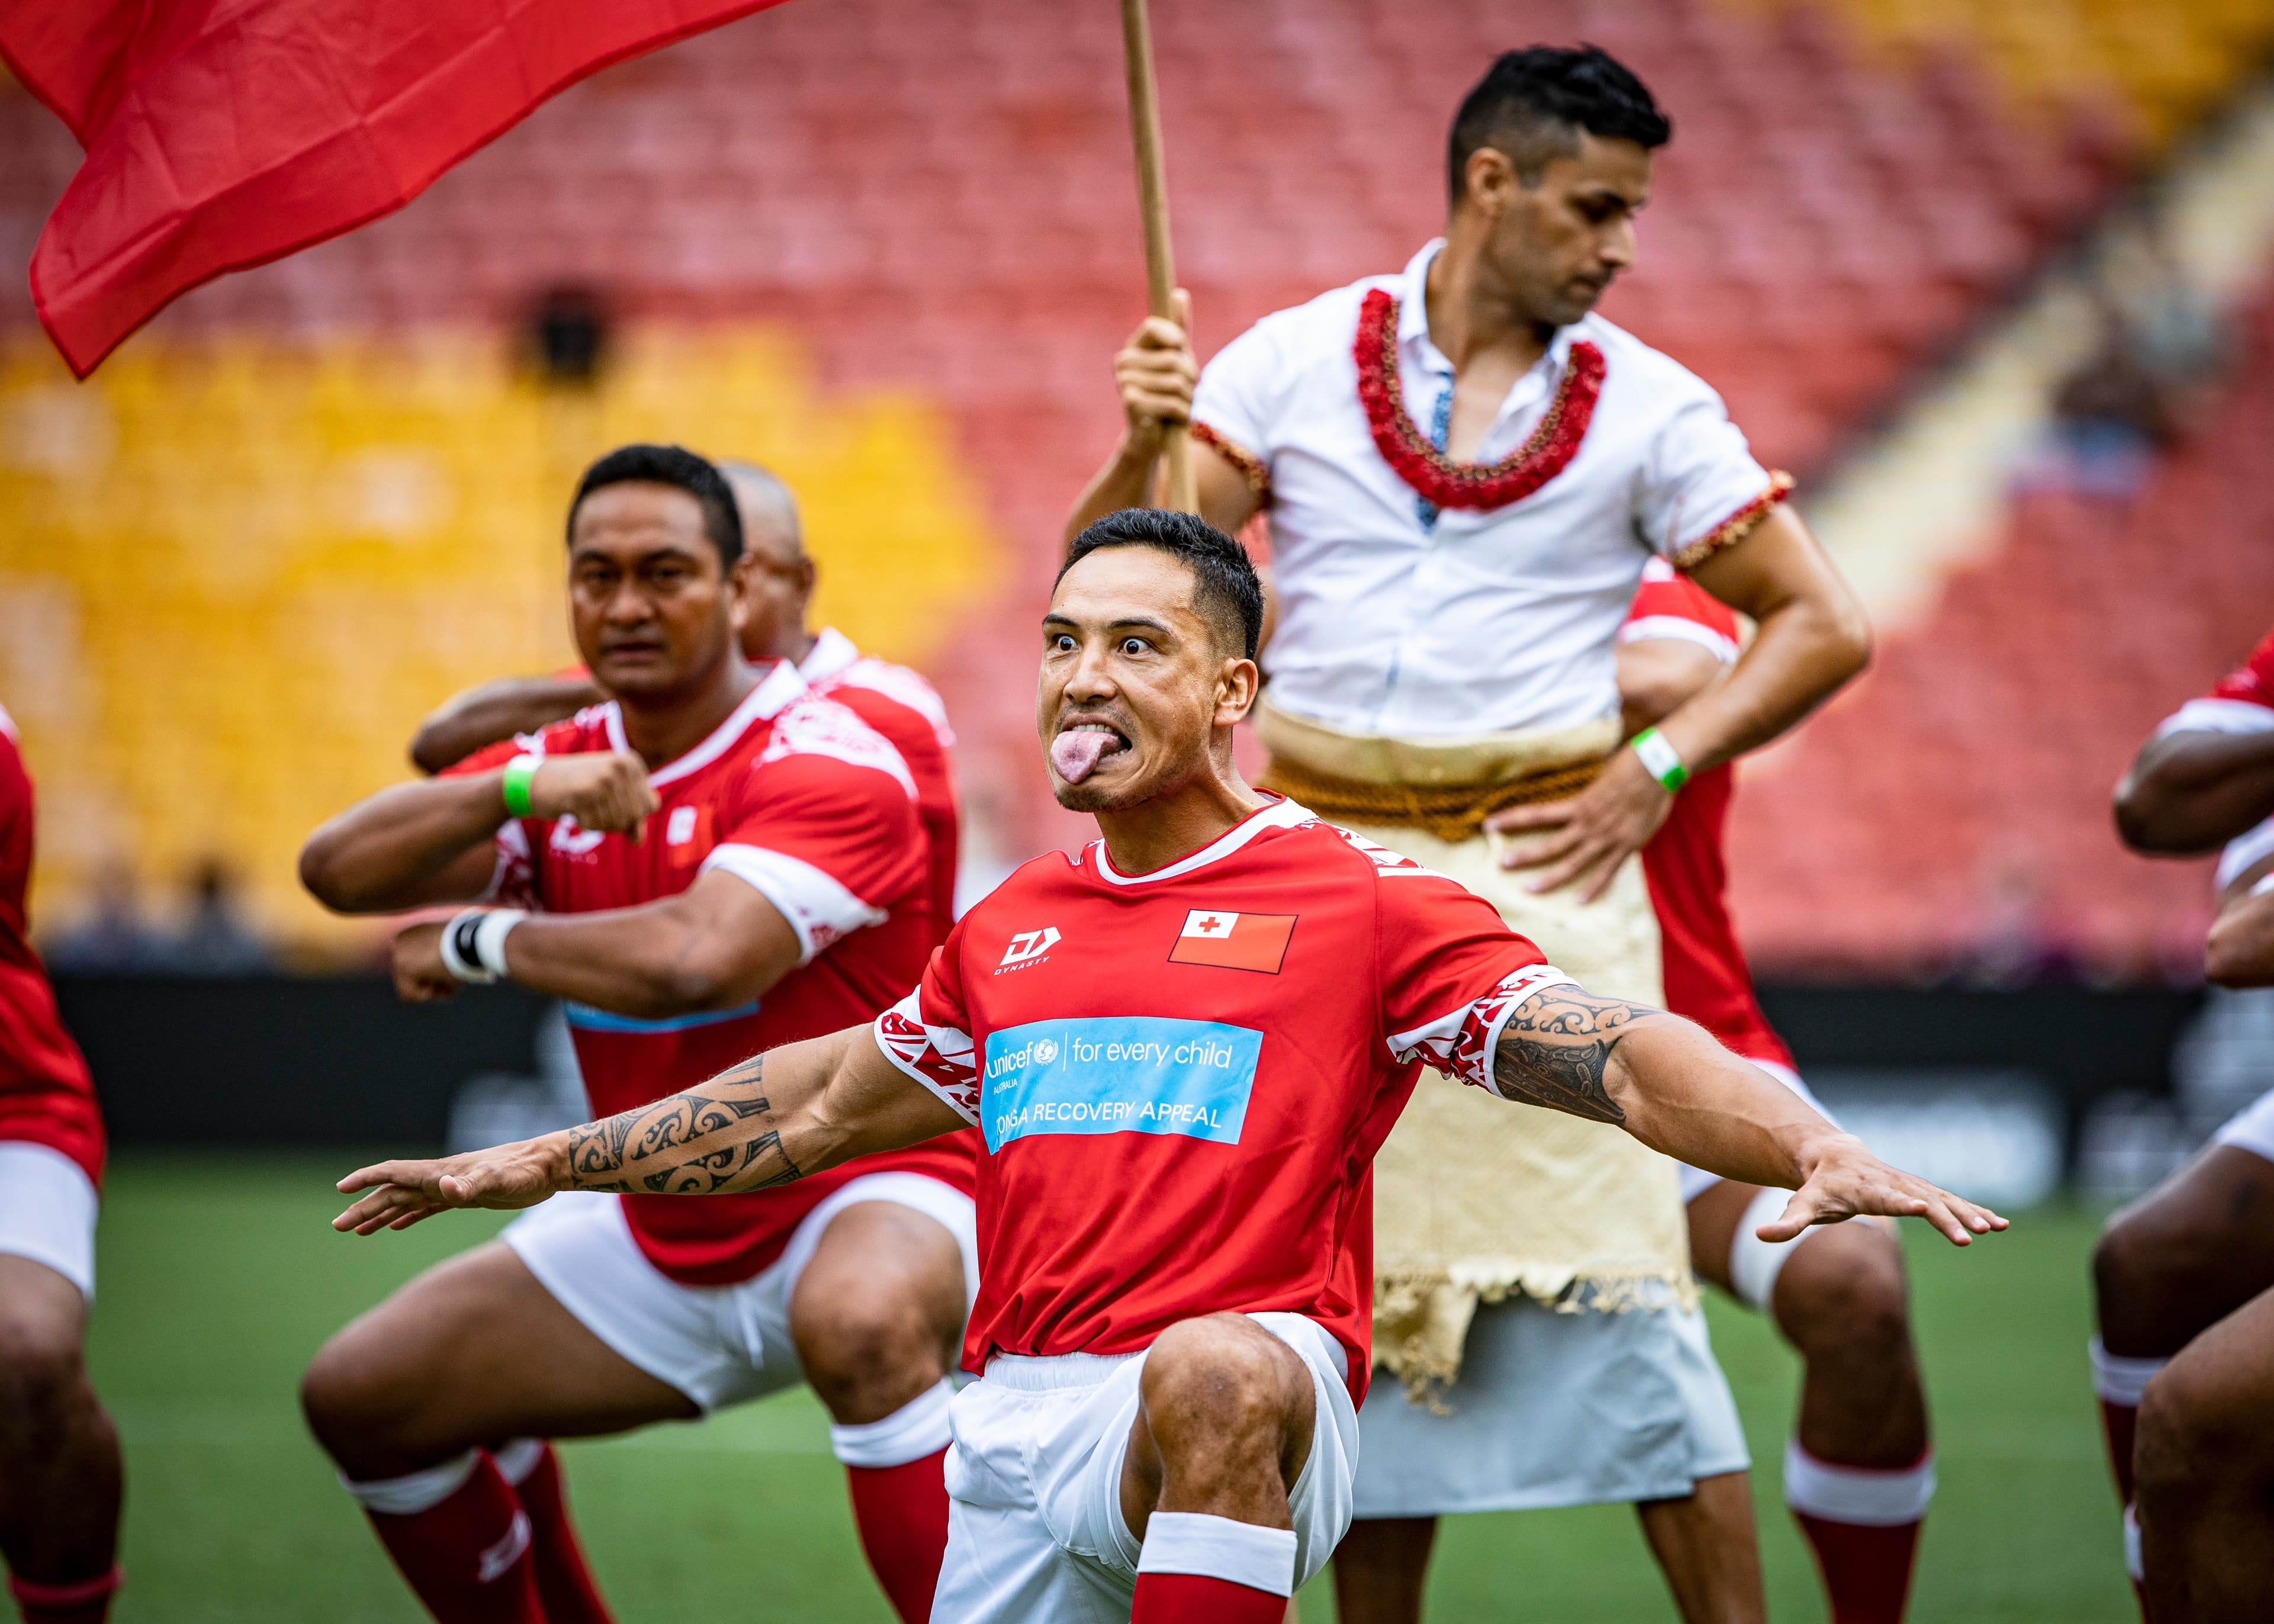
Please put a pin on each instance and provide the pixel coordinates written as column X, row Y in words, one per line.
column 356, row 1408
column 1845, row 1293
column 2200, row 1422
column 1223, row 1373
column 868, row 1335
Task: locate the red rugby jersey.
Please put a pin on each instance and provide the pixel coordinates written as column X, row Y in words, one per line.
column 2242, row 702
column 1707, row 980
column 798, row 797
column 899, row 703
column 1182, row 1076
column 45, row 1095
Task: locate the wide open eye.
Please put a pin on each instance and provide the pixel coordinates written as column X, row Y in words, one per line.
column 1134, row 645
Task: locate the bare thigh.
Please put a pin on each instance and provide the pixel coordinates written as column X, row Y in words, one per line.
column 878, row 1310
column 2186, row 1254
column 472, row 1351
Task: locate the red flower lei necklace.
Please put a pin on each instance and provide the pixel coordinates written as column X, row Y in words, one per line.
column 1435, row 476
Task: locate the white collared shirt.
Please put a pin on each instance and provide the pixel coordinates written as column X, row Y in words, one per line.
column 1484, row 621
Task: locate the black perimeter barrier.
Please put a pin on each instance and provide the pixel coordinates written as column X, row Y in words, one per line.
column 278, row 1060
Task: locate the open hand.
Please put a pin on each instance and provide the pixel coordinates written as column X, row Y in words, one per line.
column 1156, row 373
column 1847, row 1180
column 1585, row 836
column 600, row 791
column 402, row 1193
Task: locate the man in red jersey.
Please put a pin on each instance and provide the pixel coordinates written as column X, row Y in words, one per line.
column 59, row 1466
column 723, row 861
column 2184, row 1277
column 1184, row 1046
column 1858, row 1469
column 777, row 577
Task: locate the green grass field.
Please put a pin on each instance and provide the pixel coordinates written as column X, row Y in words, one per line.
column 219, row 1278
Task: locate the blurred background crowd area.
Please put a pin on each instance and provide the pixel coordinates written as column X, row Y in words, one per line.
column 1992, row 280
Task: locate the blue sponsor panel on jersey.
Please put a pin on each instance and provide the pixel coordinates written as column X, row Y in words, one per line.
column 1130, row 1074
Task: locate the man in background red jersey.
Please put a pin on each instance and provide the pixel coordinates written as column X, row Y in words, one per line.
column 59, row 1466
column 723, row 860
column 1184, row 1046
column 1858, row 1469
column 2183, row 1278
column 777, row 577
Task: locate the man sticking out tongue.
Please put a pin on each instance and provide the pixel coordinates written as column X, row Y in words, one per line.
column 1183, row 1046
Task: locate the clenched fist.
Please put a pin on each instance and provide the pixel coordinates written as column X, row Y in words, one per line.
column 608, row 792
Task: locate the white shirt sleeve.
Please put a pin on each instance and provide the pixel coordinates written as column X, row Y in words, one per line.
column 1237, row 402
column 1701, row 487
column 818, row 909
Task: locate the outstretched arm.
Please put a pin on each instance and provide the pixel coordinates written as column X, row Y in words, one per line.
column 2193, row 791
column 510, row 706
column 1673, row 1087
column 777, row 1117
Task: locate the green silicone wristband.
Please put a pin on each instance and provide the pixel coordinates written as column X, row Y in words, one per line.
column 518, row 772
column 1659, row 759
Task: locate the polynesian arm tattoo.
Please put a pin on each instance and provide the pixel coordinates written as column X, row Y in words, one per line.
column 719, row 1138
column 1555, row 1051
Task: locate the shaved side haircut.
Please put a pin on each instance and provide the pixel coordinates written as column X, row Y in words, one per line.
column 1227, row 592
column 1532, row 104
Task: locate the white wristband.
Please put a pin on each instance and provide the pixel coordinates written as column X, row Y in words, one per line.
column 490, row 934
column 473, row 942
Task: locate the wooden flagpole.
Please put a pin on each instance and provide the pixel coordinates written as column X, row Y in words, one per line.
column 1152, row 203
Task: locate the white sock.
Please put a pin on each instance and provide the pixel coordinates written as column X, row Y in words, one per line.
column 2133, row 1564
column 1187, row 1541
column 916, row 1429
column 2120, row 1380
column 1860, row 1495
column 414, row 1492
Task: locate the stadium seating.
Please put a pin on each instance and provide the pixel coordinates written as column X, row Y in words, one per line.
column 1970, row 769
column 914, row 225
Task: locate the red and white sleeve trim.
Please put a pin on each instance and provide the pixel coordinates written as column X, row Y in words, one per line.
column 1737, row 526
column 818, row 909
column 939, row 1057
column 1252, row 468
column 1460, row 1043
column 2219, row 716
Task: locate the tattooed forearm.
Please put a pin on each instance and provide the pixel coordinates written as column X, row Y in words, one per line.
column 719, row 1138
column 1555, row 1051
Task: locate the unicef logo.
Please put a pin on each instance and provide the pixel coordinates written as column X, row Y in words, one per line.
column 1046, row 1050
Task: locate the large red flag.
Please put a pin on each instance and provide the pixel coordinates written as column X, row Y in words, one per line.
column 223, row 133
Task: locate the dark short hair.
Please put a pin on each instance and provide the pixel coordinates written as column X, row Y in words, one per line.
column 674, row 465
column 1532, row 101
column 1227, row 592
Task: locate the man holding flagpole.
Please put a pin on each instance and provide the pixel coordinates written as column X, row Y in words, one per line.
column 1466, row 471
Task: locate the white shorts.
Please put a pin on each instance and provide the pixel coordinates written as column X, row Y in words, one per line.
column 1696, row 1181
column 719, row 1345
column 2251, row 1128
column 1035, row 1532
column 47, row 1206
column 1554, row 1410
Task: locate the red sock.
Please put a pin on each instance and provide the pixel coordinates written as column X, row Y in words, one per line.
column 901, row 1512
column 466, row 1556
column 570, row 1594
column 1198, row 1598
column 86, row 1601
column 1867, row 1571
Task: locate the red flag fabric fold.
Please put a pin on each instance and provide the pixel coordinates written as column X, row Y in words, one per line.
column 224, row 133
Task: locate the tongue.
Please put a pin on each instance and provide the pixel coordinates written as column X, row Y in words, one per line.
column 1076, row 752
